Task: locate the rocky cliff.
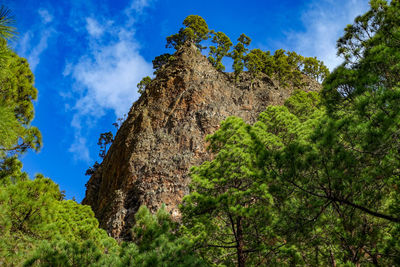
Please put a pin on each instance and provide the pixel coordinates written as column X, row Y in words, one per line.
column 163, row 136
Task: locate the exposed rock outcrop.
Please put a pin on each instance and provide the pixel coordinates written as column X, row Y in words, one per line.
column 164, row 135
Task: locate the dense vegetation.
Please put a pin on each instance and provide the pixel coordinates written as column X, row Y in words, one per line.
column 285, row 67
column 314, row 182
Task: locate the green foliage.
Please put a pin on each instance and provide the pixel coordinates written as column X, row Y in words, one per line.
column 235, row 208
column 16, row 95
column 228, row 211
column 76, row 222
column 149, row 227
column 195, row 31
column 16, row 108
column 65, row 253
column 77, row 242
column 32, row 214
column 196, row 28
column 370, row 49
column 92, row 169
column 160, row 61
column 257, row 62
column 10, row 129
column 238, row 54
column 287, row 68
column 281, row 68
column 105, row 139
column 156, row 242
column 143, row 84
column 362, row 98
column 313, row 183
column 218, row 52
column 10, row 171
column 29, row 204
column 7, row 31
column 329, row 168
column 25, row 212
column 315, row 69
column 358, row 139
column 17, row 88
column 303, row 105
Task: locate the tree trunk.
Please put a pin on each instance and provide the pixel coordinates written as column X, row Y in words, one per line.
column 333, row 261
column 240, row 243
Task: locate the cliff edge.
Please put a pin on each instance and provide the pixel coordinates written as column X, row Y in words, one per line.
column 164, row 135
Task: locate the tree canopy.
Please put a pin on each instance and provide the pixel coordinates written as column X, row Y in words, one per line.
column 218, row 52
column 288, row 68
column 143, row 84
column 17, row 94
column 195, row 31
column 314, row 182
column 329, row 163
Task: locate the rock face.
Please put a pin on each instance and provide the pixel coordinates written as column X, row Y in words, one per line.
column 164, row 135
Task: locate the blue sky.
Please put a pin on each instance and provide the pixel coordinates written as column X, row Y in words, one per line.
column 88, row 56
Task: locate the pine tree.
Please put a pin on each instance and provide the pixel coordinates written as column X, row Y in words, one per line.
column 195, row 31
column 238, row 54
column 218, row 52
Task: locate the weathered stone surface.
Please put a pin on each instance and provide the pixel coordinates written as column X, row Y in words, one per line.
column 163, row 136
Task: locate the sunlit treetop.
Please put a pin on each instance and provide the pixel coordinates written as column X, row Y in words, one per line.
column 195, row 31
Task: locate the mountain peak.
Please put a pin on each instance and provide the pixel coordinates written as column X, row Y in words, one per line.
column 164, row 135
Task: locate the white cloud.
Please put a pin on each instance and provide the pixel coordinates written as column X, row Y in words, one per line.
column 139, row 5
column 34, row 42
column 80, row 150
column 36, row 51
column 324, row 22
column 106, row 75
column 93, row 27
column 135, row 10
column 45, row 16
